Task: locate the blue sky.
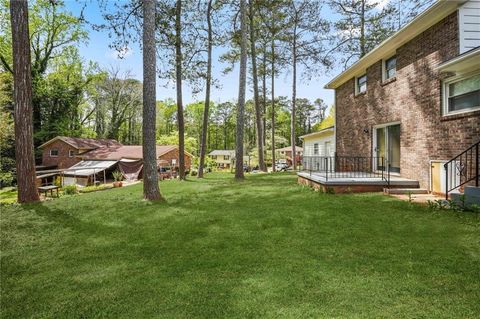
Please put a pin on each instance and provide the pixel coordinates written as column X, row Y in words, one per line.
column 97, row 49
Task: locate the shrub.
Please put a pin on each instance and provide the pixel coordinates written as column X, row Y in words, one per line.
column 57, row 181
column 6, row 179
column 70, row 189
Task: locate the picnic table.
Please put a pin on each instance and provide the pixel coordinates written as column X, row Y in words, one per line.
column 48, row 188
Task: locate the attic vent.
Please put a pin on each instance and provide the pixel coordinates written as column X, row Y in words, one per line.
column 469, row 25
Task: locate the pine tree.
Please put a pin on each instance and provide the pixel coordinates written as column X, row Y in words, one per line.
column 151, row 189
column 22, row 81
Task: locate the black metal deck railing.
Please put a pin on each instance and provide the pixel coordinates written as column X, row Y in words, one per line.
column 462, row 169
column 331, row 167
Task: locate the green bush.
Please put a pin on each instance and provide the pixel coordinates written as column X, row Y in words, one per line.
column 6, row 179
column 57, row 181
column 70, row 189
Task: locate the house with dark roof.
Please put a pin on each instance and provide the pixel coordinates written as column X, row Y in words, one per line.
column 61, row 152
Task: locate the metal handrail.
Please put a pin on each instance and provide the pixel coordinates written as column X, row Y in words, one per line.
column 463, row 168
column 348, row 167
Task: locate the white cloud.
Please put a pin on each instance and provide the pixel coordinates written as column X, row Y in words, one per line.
column 120, row 54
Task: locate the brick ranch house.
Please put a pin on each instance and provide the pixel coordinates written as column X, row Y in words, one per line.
column 83, row 160
column 61, row 151
column 414, row 100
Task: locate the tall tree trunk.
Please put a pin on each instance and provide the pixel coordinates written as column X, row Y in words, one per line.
column 151, row 189
column 22, row 97
column 258, row 111
column 203, row 146
column 224, row 135
column 273, row 104
column 264, row 99
column 178, row 70
column 241, row 94
column 294, row 99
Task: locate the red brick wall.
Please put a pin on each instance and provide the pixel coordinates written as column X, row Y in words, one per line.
column 414, row 100
column 174, row 154
column 62, row 160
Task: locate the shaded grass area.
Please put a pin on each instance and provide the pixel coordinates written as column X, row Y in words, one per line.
column 265, row 247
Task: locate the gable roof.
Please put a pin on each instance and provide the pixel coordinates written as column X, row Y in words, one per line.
column 322, row 131
column 83, row 143
column 431, row 16
column 222, row 152
column 117, row 153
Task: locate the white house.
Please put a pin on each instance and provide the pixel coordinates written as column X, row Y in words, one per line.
column 320, row 143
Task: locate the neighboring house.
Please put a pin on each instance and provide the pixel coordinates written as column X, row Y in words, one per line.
column 320, row 143
column 286, row 153
column 61, row 152
column 222, row 158
column 414, row 100
column 95, row 165
column 165, row 154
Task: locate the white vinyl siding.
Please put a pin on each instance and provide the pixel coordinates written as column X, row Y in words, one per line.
column 469, row 25
column 320, row 146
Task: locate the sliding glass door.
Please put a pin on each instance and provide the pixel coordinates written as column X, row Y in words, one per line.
column 387, row 145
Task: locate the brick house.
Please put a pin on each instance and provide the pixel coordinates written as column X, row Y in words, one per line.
column 61, row 152
column 167, row 154
column 414, row 100
column 286, row 153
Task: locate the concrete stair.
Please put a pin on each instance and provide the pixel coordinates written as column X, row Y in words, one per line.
column 405, row 191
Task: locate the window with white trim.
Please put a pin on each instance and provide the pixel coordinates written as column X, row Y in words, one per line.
column 71, row 153
column 53, row 152
column 226, row 157
column 361, row 84
column 461, row 94
column 315, row 149
column 390, row 68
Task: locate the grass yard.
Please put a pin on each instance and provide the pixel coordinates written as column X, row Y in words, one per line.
column 8, row 195
column 263, row 248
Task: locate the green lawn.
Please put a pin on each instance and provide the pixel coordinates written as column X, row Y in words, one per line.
column 8, row 195
column 263, row 248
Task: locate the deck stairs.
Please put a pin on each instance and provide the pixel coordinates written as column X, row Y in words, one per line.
column 405, row 191
column 463, row 176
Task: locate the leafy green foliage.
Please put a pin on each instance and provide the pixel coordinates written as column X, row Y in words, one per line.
column 191, row 144
column 70, row 189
